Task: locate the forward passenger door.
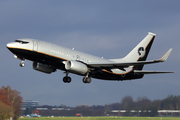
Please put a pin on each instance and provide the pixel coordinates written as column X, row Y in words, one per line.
column 35, row 45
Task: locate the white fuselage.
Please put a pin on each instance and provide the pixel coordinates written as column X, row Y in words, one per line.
column 60, row 53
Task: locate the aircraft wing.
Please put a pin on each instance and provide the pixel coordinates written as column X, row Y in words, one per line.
column 151, row 72
column 127, row 64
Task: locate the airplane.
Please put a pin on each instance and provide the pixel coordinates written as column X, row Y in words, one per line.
column 48, row 57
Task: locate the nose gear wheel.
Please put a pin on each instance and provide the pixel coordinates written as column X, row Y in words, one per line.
column 22, row 64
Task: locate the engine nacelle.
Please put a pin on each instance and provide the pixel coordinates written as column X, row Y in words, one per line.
column 76, row 67
column 43, row 68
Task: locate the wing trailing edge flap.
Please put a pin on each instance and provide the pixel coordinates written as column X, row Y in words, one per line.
column 127, row 64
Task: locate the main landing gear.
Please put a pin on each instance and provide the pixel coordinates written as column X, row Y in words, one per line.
column 67, row 79
column 86, row 80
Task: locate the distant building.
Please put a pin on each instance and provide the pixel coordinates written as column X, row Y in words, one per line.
column 160, row 112
column 30, row 103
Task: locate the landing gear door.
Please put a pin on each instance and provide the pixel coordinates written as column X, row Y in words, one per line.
column 35, row 46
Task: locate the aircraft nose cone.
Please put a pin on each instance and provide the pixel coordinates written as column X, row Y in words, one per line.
column 10, row 45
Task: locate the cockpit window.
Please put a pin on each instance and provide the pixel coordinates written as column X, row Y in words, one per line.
column 22, row 42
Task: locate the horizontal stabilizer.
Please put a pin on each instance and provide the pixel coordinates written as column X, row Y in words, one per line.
column 151, row 72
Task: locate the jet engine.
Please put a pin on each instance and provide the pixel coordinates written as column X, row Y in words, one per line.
column 43, row 68
column 76, row 67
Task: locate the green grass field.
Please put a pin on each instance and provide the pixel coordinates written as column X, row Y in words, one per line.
column 103, row 118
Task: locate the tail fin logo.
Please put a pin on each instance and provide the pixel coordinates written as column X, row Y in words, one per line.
column 141, row 52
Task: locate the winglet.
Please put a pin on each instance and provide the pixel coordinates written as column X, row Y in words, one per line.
column 164, row 58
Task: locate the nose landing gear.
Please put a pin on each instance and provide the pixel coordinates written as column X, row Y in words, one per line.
column 22, row 64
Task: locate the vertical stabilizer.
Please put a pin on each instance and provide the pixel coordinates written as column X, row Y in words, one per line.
column 141, row 51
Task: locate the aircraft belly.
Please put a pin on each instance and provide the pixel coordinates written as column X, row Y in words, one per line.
column 39, row 57
column 110, row 76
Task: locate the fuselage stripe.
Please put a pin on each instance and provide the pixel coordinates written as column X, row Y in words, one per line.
column 38, row 52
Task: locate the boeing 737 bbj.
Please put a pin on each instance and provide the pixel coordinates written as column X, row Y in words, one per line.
column 49, row 57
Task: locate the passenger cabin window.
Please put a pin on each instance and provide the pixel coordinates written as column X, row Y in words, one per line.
column 22, row 42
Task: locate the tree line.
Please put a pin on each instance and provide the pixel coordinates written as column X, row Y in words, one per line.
column 146, row 106
column 10, row 103
column 143, row 104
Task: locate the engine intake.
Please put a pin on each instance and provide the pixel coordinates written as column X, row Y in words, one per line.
column 43, row 68
column 76, row 67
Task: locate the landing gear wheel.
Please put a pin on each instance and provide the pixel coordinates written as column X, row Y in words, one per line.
column 86, row 80
column 64, row 79
column 67, row 79
column 22, row 64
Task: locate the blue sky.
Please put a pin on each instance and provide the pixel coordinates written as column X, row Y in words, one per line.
column 105, row 28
